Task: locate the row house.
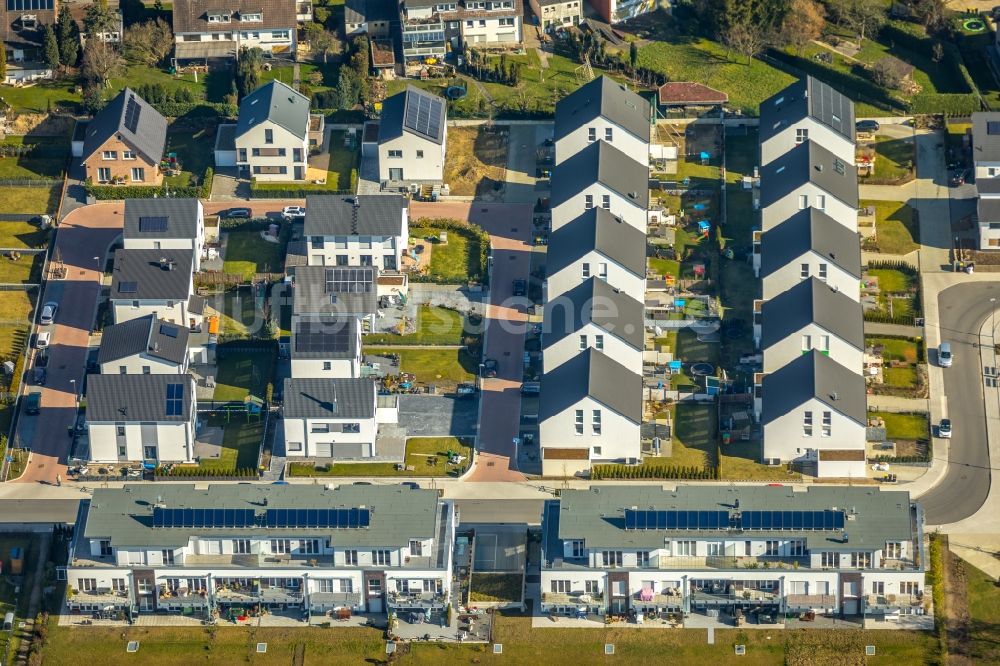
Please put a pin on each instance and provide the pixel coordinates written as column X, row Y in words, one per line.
column 807, row 109
column 144, row 346
column 601, row 176
column 357, row 230
column 699, row 551
column 155, row 282
column 341, row 291
column 165, row 224
column 326, row 347
column 178, row 549
column 986, row 159
column 372, row 17
column 602, row 110
column 205, row 30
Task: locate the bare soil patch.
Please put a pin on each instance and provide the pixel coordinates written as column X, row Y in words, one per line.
column 476, row 162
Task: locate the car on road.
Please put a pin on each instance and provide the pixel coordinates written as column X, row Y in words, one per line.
column 520, row 287
column 866, row 126
column 489, row 368
column 48, row 313
column 42, row 359
column 959, row 177
column 944, row 428
column 238, row 214
column 292, row 213
column 945, row 357
column 465, row 390
column 43, row 339
column 33, row 403
column 38, row 376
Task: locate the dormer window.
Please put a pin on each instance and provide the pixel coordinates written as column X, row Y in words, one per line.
column 220, row 18
column 251, row 18
column 29, row 21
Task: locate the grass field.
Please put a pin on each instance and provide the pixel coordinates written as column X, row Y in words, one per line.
column 16, row 307
column 900, row 377
column 983, row 596
column 495, row 587
column 896, row 291
column 456, row 261
column 894, row 159
column 427, row 455
column 442, row 367
column 26, row 269
column 21, row 235
column 41, row 165
column 247, row 253
column 435, row 326
column 30, row 200
column 240, row 443
column 894, row 349
column 194, row 150
column 341, row 174
column 242, row 373
column 475, row 162
column 896, row 232
column 239, row 312
column 904, row 426
column 693, row 437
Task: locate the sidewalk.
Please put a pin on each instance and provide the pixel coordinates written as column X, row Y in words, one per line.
column 891, row 403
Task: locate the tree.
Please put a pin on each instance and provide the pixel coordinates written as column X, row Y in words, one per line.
column 249, row 62
column 347, row 90
column 321, row 41
column 746, row 39
column 93, row 98
column 100, row 19
column 3, row 62
column 802, row 23
column 101, row 62
column 633, row 56
column 864, row 17
column 930, row 13
column 68, row 36
column 886, row 73
column 148, row 43
column 937, row 52
column 51, row 48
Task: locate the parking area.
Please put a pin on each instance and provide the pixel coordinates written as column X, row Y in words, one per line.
column 438, row 416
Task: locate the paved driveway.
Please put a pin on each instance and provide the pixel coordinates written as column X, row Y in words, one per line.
column 438, row 416
column 84, row 233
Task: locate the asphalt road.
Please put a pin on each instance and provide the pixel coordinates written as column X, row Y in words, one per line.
column 963, row 490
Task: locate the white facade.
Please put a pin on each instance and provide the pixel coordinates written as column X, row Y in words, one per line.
column 786, row 437
column 197, row 243
column 133, row 441
column 810, row 264
column 271, row 153
column 596, row 264
column 554, row 15
column 989, row 228
column 630, row 210
column 602, row 129
column 594, row 336
column 812, row 336
column 809, row 128
column 479, row 31
column 382, row 252
column 277, row 40
column 173, row 311
column 143, row 364
column 330, row 438
column 412, row 158
column 615, row 439
column 806, row 195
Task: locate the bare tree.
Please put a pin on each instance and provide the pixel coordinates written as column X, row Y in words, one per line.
column 101, row 62
column 803, row 23
column 321, row 41
column 148, row 43
column 747, row 39
column 864, row 17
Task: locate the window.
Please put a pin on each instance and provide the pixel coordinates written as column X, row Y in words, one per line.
column 121, row 428
column 910, row 587
column 821, row 201
column 469, row 24
column 839, row 166
column 591, row 134
column 420, row 154
column 324, row 585
column 341, row 259
column 585, row 270
column 592, row 587
column 797, row 548
column 801, row 135
column 606, row 201
column 122, row 452
column 583, row 342
column 861, row 560
column 824, row 343
column 823, row 272
column 118, row 584
column 806, row 343
column 803, row 201
column 828, row 559
column 128, row 155
column 642, row 558
column 807, row 424
column 268, row 136
column 243, row 155
column 105, row 548
column 560, row 586
column 588, row 201
column 878, row 587
column 893, row 550
column 608, row 133
column 351, row 557
column 327, row 365
column 138, row 174
column 416, row 548
column 716, row 548
column 103, row 175
column 827, row 424
column 320, row 428
column 595, row 421
column 350, row 428
column 241, row 546
column 374, row 586
column 281, row 546
column 381, row 557
column 294, row 446
column 271, row 170
column 597, row 451
column 296, row 154
column 309, row 546
column 506, row 21
column 599, row 341
column 611, row 558
column 579, row 421
column 482, row 23
column 686, row 548
column 87, row 584
column 771, row 548
column 109, row 155
column 804, row 271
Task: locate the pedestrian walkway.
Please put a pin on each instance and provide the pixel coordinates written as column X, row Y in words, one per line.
column 891, row 403
column 877, row 328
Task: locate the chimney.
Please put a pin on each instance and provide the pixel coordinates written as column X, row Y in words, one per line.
column 834, row 396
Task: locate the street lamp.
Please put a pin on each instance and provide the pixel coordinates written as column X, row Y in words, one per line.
column 993, row 311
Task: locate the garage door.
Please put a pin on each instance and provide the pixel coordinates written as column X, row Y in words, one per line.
column 324, row 450
column 850, row 607
column 225, row 158
column 375, row 604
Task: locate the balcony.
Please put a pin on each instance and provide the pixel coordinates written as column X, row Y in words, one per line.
column 729, row 593
column 670, row 596
column 890, row 602
column 571, row 598
column 811, row 601
column 421, row 600
column 332, row 599
column 181, row 596
column 730, row 562
column 103, row 596
column 257, row 561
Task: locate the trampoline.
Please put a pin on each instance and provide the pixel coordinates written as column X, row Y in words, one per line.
column 455, row 92
column 974, row 25
column 702, row 369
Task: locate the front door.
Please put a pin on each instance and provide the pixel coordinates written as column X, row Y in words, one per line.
column 395, row 174
column 299, row 173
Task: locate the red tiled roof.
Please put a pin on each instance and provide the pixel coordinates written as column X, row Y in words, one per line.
column 686, row 92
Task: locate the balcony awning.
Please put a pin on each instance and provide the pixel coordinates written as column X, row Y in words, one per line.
column 213, row 49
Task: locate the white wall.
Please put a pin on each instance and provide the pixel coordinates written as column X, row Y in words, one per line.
column 783, row 352
column 569, row 347
column 783, row 437
column 790, row 275
column 623, row 140
column 785, row 207
column 197, row 243
column 352, row 248
column 249, row 35
column 282, row 138
column 430, row 167
column 841, row 469
column 618, row 277
column 781, row 143
column 619, row 436
column 172, row 311
column 314, row 368
column 986, row 169
column 299, row 431
column 481, row 31
column 135, row 365
column 174, row 442
column 629, row 210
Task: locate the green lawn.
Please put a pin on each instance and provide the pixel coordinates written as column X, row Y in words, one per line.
column 30, row 200
column 894, row 349
column 897, row 291
column 194, row 148
column 693, row 437
column 428, row 456
column 342, row 171
column 983, row 596
column 456, row 261
column 894, row 159
column 242, row 373
column 741, row 155
column 900, row 377
column 904, row 426
column 664, row 267
column 442, row 367
column 26, row 269
column 495, row 587
column 44, row 163
column 892, row 281
column 741, row 461
column 16, row 307
column 20, row 235
column 435, row 326
column 689, row 349
column 248, row 253
column 896, row 232
column 241, row 441
column 239, row 314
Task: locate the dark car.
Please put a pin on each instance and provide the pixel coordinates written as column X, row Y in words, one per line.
column 489, row 368
column 867, row 126
column 959, row 178
column 520, row 288
column 33, row 403
column 38, row 376
column 238, row 213
column 41, row 359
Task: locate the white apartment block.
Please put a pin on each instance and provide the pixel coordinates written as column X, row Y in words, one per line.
column 806, row 176
column 175, row 549
column 986, row 157
column 602, row 110
column 555, row 14
column 703, row 553
column 807, row 109
column 358, row 230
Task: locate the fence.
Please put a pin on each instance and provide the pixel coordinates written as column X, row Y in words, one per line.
column 29, row 182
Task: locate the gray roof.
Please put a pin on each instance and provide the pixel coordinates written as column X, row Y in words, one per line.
column 149, row 335
column 988, row 185
column 812, row 301
column 398, row 513
column 810, row 230
column 325, row 337
column 814, row 375
column 988, row 210
column 597, row 515
column 986, row 137
column 811, row 98
column 136, row 398
column 328, row 398
column 181, row 218
column 415, row 111
column 129, row 116
column 601, row 162
column 364, row 11
column 225, row 137
column 594, row 301
column 603, row 97
column 142, row 275
column 809, row 162
column 277, row 102
column 591, row 374
column 320, row 290
column 355, row 215
column 600, row 231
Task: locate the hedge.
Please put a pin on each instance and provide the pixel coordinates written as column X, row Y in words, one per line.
column 116, row 192
column 935, row 578
column 201, row 472
column 264, row 191
column 885, row 318
column 465, row 229
column 599, row 472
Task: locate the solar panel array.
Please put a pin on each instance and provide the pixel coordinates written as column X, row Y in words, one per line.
column 153, row 224
column 128, row 287
column 318, row 518
column 172, row 517
column 168, row 330
column 423, row 114
column 315, row 336
column 349, row 280
column 676, row 520
column 132, row 111
column 792, row 520
column 175, row 399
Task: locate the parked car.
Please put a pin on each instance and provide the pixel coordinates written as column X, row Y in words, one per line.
column 489, row 368
column 531, row 388
column 48, row 313
column 945, row 357
column 33, row 403
column 465, row 389
column 944, row 428
column 520, row 287
column 38, row 376
column 42, row 359
column 866, row 126
column 238, row 213
column 959, row 178
column 43, row 339
column 291, row 213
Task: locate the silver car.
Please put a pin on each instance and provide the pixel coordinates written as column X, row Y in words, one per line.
column 48, row 313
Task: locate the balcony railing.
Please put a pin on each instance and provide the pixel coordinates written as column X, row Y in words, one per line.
column 571, row 598
column 732, row 594
column 418, row 600
column 335, row 598
column 730, row 562
column 811, row 600
column 105, row 596
column 892, row 601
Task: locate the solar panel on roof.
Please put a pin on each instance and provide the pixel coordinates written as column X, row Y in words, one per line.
column 349, row 280
column 319, row 337
column 128, row 287
column 168, row 330
column 132, row 111
column 423, row 115
column 175, row 399
column 153, row 224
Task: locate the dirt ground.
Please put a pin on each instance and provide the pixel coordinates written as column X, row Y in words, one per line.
column 957, row 605
column 476, row 163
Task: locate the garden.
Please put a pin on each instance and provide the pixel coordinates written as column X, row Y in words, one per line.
column 341, row 173
column 244, row 369
column 444, row 368
column 425, row 456
column 902, row 372
column 242, row 434
column 890, row 293
column 496, row 587
column 462, row 259
column 434, row 326
column 476, row 162
column 896, row 229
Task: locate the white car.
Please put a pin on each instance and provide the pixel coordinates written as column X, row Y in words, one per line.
column 291, row 213
column 43, row 339
column 944, row 429
column 48, row 313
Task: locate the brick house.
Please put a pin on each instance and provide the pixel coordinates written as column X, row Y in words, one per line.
column 124, row 143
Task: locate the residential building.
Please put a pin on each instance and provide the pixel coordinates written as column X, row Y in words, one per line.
column 705, row 552
column 206, row 30
column 147, row 417
column 809, row 316
column 809, row 175
column 174, row 548
column 597, row 244
column 78, row 9
column 144, row 346
column 813, row 411
column 412, row 138
column 165, row 224
column 616, row 11
column 374, row 17
column 326, row 347
column 602, row 176
column 809, row 244
column 602, row 110
column 303, row 11
column 592, row 406
column 555, row 14
column 272, row 135
column 123, row 144
column 593, row 314
column 341, row 291
column 22, row 31
column 154, row 282
column 684, row 97
column 433, row 28
column 423, row 30
column 334, row 418
column 986, row 158
column 357, row 230
column 807, row 109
